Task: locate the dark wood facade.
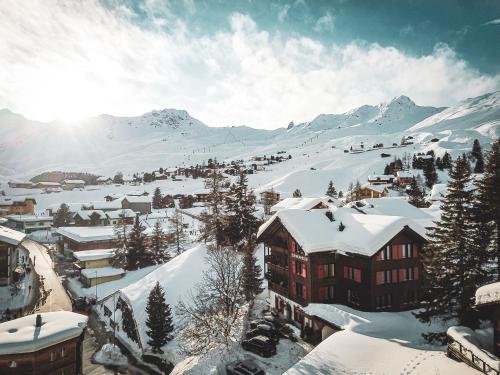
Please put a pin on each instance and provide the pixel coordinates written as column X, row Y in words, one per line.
column 366, row 283
column 64, row 358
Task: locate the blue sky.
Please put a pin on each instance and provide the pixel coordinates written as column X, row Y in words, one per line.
column 260, row 63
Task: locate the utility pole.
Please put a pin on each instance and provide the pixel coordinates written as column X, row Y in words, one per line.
column 96, row 286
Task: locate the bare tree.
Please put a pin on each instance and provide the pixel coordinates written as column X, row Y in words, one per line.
column 214, row 311
column 177, row 230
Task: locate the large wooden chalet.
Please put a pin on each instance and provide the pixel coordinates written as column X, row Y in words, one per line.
column 368, row 262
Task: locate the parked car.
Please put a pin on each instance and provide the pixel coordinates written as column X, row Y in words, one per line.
column 245, row 367
column 256, row 322
column 263, row 330
column 260, row 345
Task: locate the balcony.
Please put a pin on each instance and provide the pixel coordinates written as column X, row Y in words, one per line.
column 280, row 289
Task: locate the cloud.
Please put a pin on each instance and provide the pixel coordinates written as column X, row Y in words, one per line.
column 283, row 12
column 493, row 22
column 325, row 23
column 79, row 59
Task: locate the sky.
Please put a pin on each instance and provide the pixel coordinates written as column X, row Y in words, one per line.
column 242, row 62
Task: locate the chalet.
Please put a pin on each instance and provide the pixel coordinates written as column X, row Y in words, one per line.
column 140, row 204
column 112, row 197
column 103, row 180
column 73, row 184
column 21, row 184
column 300, row 204
column 48, row 185
column 94, row 258
column 382, row 179
column 108, row 205
column 95, row 276
column 87, row 238
column 10, row 241
column 480, row 350
column 29, row 223
column 137, row 193
column 202, row 197
column 90, row 218
column 47, row 343
column 73, row 208
column 368, row 262
column 119, row 217
column 17, row 206
column 405, row 177
column 373, row 191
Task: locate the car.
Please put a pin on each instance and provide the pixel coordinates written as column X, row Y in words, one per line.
column 256, row 322
column 263, row 330
column 244, row 367
column 260, row 345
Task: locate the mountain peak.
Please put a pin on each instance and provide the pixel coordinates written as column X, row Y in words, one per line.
column 402, row 100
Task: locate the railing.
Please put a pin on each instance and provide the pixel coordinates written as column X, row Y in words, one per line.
column 278, row 289
column 458, row 351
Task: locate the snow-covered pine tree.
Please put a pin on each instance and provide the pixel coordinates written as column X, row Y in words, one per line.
column 212, row 218
column 251, row 273
column 331, row 192
column 120, row 232
column 240, row 222
column 453, row 268
column 297, row 193
column 157, row 199
column 447, row 161
column 179, row 235
column 269, row 200
column 159, row 319
column 489, row 201
column 416, row 195
column 357, row 191
column 137, row 255
column 62, row 216
column 158, row 246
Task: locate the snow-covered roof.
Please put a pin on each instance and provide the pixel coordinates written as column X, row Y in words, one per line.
column 298, row 203
column 8, row 201
column 103, row 178
column 73, row 207
column 105, row 205
column 28, row 218
column 406, row 174
column 76, row 182
column 137, row 199
column 85, row 214
column 92, row 273
column 177, row 277
column 382, row 177
column 87, row 255
column 392, row 206
column 48, row 183
column 88, row 234
column 489, row 293
column 22, row 336
column 362, row 234
column 378, row 188
column 137, row 193
column 125, row 213
column 11, row 236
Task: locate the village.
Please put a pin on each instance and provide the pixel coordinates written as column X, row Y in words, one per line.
column 319, row 267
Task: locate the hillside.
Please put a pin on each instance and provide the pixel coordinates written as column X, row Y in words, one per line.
column 106, row 144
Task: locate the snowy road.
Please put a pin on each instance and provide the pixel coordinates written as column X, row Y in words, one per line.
column 57, row 299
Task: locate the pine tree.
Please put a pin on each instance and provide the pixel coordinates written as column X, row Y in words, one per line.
column 446, row 160
column 452, row 265
column 416, row 195
column 341, row 194
column 157, row 199
column 387, row 169
column 128, row 323
column 476, row 152
column 430, row 174
column 158, row 246
column 489, row 202
column 212, row 218
column 269, row 199
column 357, row 191
column 159, row 319
column 136, row 255
column 62, row 216
column 297, row 193
column 240, row 222
column 251, row 273
column 331, row 192
column 177, row 230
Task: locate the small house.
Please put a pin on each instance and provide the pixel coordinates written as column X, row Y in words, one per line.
column 29, row 223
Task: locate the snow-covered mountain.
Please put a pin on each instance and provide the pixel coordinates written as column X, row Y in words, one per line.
column 169, row 137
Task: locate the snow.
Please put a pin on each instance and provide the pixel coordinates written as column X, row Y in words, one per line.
column 380, row 188
column 28, row 218
column 92, row 273
column 21, row 335
column 110, row 355
column 375, row 343
column 468, row 339
column 74, row 182
column 363, row 234
column 438, row 192
column 137, row 199
column 85, row 215
column 11, row 236
column 298, row 203
column 118, row 214
column 87, row 255
column 489, row 293
column 88, row 234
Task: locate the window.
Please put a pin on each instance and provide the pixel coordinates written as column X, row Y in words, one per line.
column 325, row 293
column 411, row 297
column 407, row 250
column 352, row 273
column 407, row 274
column 383, row 301
column 326, row 270
column 384, row 277
column 352, row 297
column 299, row 290
column 385, row 253
column 299, row 268
column 12, row 364
column 63, row 352
column 293, row 246
column 52, row 356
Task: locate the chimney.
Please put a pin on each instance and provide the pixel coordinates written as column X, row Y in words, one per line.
column 38, row 322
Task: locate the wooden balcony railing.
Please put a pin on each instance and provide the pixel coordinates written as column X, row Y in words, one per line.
column 282, row 290
column 458, row 351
